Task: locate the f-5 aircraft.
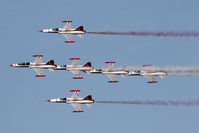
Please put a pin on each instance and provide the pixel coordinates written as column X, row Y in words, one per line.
column 76, row 69
column 110, row 73
column 37, row 65
column 67, row 31
column 150, row 75
column 75, row 101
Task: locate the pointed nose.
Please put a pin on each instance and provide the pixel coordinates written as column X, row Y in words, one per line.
column 40, row 31
column 48, row 101
column 11, row 65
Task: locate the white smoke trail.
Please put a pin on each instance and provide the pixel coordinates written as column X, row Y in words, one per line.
column 183, row 74
column 157, row 103
column 149, row 33
column 165, row 68
column 171, row 70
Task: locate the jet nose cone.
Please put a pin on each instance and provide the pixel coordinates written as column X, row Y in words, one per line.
column 40, row 31
column 11, row 65
column 48, row 101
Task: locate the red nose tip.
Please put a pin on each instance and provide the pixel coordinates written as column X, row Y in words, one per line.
column 40, row 31
column 48, row 100
column 11, row 65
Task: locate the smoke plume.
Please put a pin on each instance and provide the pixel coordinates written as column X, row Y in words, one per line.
column 157, row 34
column 158, row 103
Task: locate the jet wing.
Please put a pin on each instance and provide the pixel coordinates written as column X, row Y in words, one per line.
column 112, row 77
column 75, row 61
column 77, row 107
column 38, row 58
column 39, row 72
column 77, row 75
column 75, row 94
column 151, row 79
column 67, row 25
column 110, row 63
column 69, row 38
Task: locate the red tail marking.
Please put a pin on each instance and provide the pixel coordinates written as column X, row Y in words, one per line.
column 51, row 62
column 89, row 97
column 81, row 28
column 88, row 64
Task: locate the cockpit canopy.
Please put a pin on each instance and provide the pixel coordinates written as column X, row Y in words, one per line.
column 56, row 29
column 24, row 63
column 64, row 99
column 100, row 70
column 63, row 65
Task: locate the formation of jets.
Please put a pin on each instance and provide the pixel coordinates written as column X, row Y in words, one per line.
column 77, row 69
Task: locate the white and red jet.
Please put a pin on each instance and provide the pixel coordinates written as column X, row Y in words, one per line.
column 110, row 73
column 150, row 75
column 76, row 69
column 37, row 65
column 67, row 31
column 75, row 101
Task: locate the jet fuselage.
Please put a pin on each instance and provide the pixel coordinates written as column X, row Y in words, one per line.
column 71, row 101
column 78, row 68
column 33, row 65
column 63, row 31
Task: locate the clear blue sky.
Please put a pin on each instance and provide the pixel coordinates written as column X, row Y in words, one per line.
column 23, row 105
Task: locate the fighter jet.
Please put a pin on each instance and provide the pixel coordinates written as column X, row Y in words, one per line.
column 37, row 65
column 150, row 75
column 67, row 31
column 75, row 68
column 75, row 101
column 110, row 73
